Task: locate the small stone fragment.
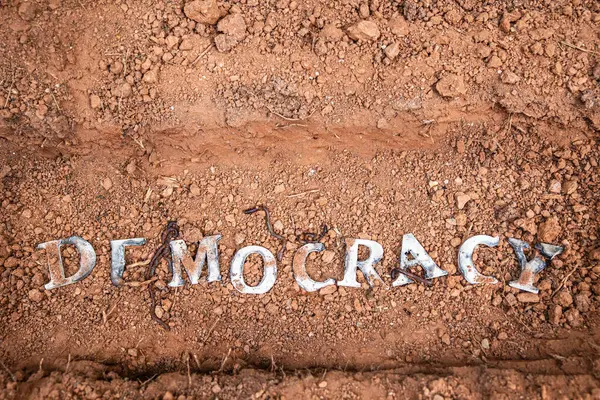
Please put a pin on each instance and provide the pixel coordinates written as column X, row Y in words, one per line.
column 451, row 85
column 570, row 187
column 171, row 41
column 363, row 10
column 494, row 62
column 28, row 10
column 203, row 11
column 116, row 67
column 509, row 77
column 573, row 317
column 151, row 76
column 526, row 297
column 35, row 295
column 453, row 16
column 167, row 192
column 328, row 256
column 107, row 184
column 382, row 124
column 124, row 90
column 363, row 31
column 555, row 186
column 194, row 190
column 225, row 43
column 239, row 238
column 130, row 168
column 399, row 26
column 328, row 290
column 392, row 50
column 462, row 199
column 278, row 225
column 95, row 101
column 332, row 33
column 555, row 313
column 186, row 44
column 582, row 302
column 564, row 298
column 527, row 224
column 549, row 230
column 510, row 299
column 505, row 24
column 272, row 308
column 446, row 339
column 168, row 396
column 234, row 26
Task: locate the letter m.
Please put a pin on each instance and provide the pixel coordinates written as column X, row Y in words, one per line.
column 207, row 253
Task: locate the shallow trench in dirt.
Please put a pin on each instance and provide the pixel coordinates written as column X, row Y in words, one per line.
column 470, row 338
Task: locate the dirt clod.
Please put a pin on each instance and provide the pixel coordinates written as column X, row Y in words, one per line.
column 202, row 11
column 451, row 85
column 549, row 230
column 363, row 31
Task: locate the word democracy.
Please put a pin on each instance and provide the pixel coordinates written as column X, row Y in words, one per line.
column 412, row 255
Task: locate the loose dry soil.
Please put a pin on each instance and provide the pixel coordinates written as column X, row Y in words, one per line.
column 441, row 118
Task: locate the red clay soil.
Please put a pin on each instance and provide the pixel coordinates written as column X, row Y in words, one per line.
column 444, row 119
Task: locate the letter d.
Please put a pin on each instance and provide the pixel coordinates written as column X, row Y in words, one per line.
column 87, row 261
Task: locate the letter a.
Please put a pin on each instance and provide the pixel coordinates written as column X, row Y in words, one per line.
column 411, row 246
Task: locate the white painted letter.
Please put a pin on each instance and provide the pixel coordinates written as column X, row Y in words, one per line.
column 366, row 266
column 465, row 259
column 299, row 267
column 208, row 252
column 117, row 257
column 237, row 270
column 412, row 247
column 87, row 261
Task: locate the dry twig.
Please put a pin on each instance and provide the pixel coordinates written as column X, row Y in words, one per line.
column 68, row 363
column 210, row 330
column 288, row 118
column 56, row 102
column 225, row 360
column 105, row 314
column 202, row 54
column 580, row 48
column 12, row 376
column 142, row 283
column 303, row 193
column 12, row 82
column 562, row 283
column 187, row 361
